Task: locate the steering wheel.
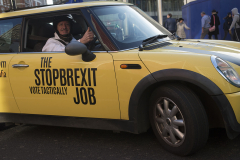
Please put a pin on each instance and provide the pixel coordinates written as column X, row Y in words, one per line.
column 91, row 44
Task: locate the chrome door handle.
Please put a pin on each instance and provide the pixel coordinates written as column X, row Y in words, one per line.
column 20, row 65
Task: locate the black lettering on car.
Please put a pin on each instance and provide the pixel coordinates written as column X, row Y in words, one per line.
column 37, row 81
column 91, row 96
column 62, row 77
column 49, row 77
column 55, row 76
column 34, row 90
column 45, row 62
column 89, row 77
column 3, row 74
column 83, row 72
column 70, row 77
column 42, row 72
column 94, row 76
column 76, row 76
column 3, row 64
column 85, row 96
column 76, row 99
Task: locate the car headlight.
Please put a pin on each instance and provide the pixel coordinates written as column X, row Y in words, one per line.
column 226, row 71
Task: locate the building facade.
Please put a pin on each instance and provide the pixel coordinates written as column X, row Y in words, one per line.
column 159, row 9
column 5, row 5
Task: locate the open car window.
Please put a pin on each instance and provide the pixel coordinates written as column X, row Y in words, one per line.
column 39, row 30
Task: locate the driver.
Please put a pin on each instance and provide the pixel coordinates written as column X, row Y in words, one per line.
column 63, row 36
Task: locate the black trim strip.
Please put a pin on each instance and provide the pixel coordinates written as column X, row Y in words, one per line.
column 64, row 121
column 157, row 46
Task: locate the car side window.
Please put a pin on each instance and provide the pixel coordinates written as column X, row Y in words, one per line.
column 10, row 31
column 40, row 29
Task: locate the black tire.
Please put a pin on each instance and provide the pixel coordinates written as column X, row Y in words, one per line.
column 184, row 129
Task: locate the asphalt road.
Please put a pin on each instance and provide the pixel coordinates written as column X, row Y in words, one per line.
column 49, row 143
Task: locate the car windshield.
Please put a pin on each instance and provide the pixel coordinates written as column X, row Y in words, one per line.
column 128, row 25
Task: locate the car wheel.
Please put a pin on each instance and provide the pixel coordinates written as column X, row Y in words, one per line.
column 178, row 119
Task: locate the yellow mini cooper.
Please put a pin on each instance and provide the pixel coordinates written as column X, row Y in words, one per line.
column 133, row 75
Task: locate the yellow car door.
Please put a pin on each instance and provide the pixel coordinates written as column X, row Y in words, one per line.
column 59, row 84
column 10, row 30
column 7, row 102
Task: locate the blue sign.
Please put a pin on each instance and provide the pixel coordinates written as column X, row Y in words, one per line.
column 78, row 1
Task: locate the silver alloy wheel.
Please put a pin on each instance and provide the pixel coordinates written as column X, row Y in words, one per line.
column 170, row 122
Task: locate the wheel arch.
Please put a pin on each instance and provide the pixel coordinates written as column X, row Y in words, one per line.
column 205, row 89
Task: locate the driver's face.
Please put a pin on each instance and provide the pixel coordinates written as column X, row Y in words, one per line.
column 63, row 27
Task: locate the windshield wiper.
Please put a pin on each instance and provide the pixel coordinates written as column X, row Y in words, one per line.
column 149, row 40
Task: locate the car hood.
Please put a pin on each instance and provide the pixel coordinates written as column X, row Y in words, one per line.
column 227, row 50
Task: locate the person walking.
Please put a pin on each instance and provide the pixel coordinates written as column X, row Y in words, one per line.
column 227, row 24
column 205, row 24
column 170, row 24
column 235, row 24
column 180, row 28
column 214, row 22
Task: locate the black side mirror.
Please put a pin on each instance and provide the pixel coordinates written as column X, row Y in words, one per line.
column 77, row 48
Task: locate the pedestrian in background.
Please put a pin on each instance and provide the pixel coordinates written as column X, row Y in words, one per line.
column 205, row 24
column 227, row 24
column 177, row 20
column 170, row 23
column 214, row 22
column 235, row 24
column 180, row 28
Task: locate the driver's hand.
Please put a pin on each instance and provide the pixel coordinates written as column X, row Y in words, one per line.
column 87, row 37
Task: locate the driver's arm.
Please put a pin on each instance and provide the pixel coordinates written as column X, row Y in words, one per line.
column 87, row 37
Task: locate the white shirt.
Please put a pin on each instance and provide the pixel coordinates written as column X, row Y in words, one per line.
column 53, row 45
